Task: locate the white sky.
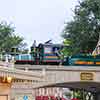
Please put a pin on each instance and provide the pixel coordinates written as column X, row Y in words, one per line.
column 38, row 20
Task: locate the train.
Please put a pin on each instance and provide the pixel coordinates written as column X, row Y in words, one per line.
column 44, row 54
column 50, row 54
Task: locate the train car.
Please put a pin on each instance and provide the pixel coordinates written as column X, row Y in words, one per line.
column 24, row 59
column 86, row 60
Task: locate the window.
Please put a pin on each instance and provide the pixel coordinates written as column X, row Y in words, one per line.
column 47, row 50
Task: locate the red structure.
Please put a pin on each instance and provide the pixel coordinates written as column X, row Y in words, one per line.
column 49, row 98
column 74, row 99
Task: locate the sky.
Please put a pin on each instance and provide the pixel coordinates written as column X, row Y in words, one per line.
column 38, row 20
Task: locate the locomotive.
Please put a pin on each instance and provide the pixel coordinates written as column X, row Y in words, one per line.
column 46, row 53
column 50, row 54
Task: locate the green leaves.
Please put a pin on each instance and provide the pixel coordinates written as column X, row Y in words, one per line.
column 84, row 30
column 8, row 39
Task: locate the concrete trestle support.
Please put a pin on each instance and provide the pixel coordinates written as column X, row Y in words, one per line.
column 51, row 79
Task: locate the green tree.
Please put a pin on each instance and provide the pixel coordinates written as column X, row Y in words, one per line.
column 8, row 39
column 67, row 49
column 83, row 31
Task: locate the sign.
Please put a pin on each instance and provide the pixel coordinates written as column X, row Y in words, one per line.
column 25, row 98
column 87, row 76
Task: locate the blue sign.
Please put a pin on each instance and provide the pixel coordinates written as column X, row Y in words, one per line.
column 25, row 98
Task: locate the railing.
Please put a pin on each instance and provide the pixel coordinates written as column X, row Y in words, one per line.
column 6, row 57
column 7, row 68
column 7, row 60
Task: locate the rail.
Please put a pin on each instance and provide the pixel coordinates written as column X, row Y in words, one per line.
column 7, row 68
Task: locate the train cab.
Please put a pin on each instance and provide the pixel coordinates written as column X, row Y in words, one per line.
column 50, row 53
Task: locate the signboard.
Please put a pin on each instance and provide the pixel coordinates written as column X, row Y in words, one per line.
column 25, row 98
column 87, row 76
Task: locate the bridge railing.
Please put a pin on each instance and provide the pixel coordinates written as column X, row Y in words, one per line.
column 6, row 60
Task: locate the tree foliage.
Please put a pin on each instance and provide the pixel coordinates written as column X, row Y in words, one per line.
column 83, row 31
column 8, row 39
column 67, row 50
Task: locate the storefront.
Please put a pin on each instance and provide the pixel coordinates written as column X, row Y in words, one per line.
column 5, row 88
column 3, row 97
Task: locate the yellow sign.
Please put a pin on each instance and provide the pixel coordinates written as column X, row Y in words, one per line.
column 87, row 76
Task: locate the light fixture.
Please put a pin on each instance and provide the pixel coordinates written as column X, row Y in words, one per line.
column 9, row 79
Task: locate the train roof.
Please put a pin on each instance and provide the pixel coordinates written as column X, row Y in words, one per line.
column 53, row 45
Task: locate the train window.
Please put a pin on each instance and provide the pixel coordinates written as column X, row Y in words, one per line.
column 47, row 50
column 55, row 49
